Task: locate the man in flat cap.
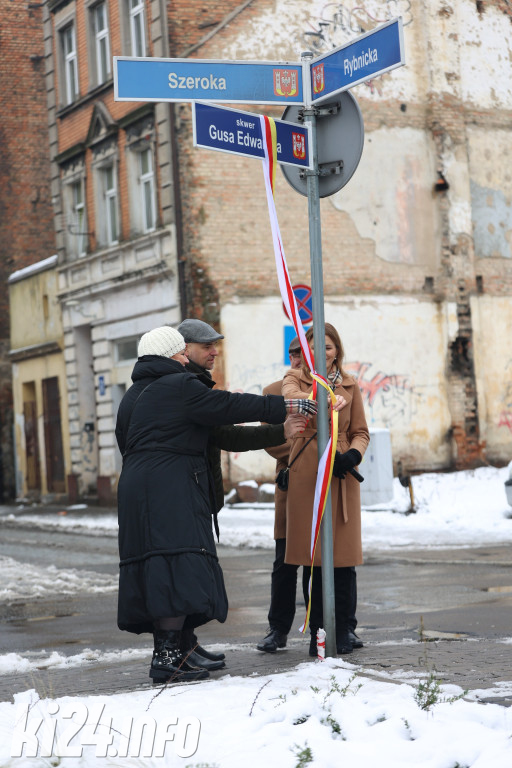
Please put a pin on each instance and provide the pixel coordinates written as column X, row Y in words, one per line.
column 202, row 340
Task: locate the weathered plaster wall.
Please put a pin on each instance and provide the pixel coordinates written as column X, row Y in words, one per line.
column 492, row 319
column 419, row 261
column 43, row 322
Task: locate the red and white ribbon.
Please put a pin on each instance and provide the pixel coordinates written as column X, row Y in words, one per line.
column 325, row 465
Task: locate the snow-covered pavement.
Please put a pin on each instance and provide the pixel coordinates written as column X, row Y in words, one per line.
column 318, row 714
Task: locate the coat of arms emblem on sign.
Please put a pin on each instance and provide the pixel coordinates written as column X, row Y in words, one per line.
column 318, row 78
column 285, row 82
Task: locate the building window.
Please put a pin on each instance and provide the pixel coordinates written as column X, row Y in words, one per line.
column 126, row 350
column 147, row 188
column 137, row 30
column 77, row 226
column 101, row 43
column 110, row 201
column 70, row 65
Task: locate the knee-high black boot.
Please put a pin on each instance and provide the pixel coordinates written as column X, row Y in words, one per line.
column 168, row 663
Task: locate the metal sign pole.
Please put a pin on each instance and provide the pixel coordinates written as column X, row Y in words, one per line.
column 317, row 285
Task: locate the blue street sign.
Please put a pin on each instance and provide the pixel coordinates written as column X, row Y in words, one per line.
column 288, row 336
column 239, row 133
column 243, row 82
column 371, row 54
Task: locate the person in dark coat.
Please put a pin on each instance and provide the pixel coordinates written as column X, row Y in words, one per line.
column 202, row 349
column 169, row 575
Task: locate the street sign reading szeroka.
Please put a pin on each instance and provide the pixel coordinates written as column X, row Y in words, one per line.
column 243, row 82
column 239, row 133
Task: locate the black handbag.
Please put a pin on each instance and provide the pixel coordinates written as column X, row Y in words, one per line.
column 283, row 474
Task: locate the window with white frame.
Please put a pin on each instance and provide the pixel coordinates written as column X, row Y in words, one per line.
column 142, row 186
column 77, row 226
column 137, row 27
column 69, row 64
column 72, row 173
column 101, row 42
column 109, row 188
column 147, row 190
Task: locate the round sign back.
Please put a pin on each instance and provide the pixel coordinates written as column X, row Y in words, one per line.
column 339, row 136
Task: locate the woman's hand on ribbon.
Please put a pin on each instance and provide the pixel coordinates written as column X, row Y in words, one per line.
column 340, row 403
column 304, row 407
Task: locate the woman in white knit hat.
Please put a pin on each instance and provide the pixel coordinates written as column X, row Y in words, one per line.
column 170, row 577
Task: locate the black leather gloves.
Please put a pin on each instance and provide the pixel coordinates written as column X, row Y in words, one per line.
column 344, row 462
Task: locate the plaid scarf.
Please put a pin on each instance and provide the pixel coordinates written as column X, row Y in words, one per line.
column 335, row 378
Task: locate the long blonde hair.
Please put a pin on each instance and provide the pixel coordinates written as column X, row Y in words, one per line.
column 334, row 336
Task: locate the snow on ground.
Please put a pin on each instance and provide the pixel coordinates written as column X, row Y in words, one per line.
column 456, row 509
column 319, row 714
column 26, row 581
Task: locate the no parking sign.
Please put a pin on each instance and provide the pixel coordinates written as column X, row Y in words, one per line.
column 303, row 297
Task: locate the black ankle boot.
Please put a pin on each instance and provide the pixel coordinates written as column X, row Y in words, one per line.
column 189, row 642
column 169, row 664
column 343, row 642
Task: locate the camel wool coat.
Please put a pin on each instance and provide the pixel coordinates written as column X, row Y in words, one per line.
column 345, row 494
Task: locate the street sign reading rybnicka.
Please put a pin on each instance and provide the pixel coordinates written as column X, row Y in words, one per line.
column 242, row 82
column 239, row 133
column 371, row 54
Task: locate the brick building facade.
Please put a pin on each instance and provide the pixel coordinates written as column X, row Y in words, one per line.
column 417, row 251
column 26, row 214
column 113, row 187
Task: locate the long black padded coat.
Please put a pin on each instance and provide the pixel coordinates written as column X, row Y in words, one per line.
column 168, row 560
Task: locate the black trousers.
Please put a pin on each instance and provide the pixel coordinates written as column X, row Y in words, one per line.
column 345, row 597
column 283, row 591
column 284, row 588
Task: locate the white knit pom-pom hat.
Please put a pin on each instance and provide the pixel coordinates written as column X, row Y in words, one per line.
column 164, row 341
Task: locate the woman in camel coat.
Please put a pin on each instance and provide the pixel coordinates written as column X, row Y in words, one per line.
column 353, row 439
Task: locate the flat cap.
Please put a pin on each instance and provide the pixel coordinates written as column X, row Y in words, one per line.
column 197, row 332
column 294, row 345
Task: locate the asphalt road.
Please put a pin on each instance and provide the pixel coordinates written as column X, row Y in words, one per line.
column 448, row 611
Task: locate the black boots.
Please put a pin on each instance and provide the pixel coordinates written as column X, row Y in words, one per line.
column 197, row 656
column 271, row 642
column 169, row 663
column 343, row 643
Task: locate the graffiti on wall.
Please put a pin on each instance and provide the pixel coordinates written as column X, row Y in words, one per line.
column 391, row 397
column 340, row 22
